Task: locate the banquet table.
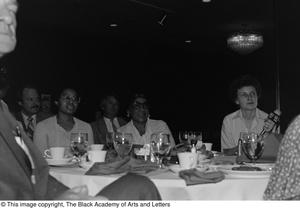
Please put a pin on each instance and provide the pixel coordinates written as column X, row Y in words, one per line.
column 170, row 185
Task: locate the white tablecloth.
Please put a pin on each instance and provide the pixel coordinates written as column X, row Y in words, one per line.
column 170, row 186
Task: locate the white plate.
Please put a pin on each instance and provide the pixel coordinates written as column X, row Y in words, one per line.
column 265, row 166
column 229, row 173
column 60, row 162
column 177, row 168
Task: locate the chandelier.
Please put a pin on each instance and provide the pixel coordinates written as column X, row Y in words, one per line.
column 245, row 42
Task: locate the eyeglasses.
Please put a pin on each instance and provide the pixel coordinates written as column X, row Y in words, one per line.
column 139, row 106
column 246, row 95
column 71, row 99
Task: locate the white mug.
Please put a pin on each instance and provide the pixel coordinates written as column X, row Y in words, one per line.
column 208, row 146
column 55, row 153
column 187, row 160
column 96, row 146
column 97, row 155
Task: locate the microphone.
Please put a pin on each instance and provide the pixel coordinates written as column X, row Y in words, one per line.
column 273, row 116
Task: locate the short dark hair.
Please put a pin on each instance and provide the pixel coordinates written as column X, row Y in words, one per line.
column 106, row 96
column 134, row 97
column 25, row 86
column 243, row 81
column 59, row 93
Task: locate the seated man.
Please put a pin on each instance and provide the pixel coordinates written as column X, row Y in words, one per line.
column 245, row 92
column 24, row 172
column 56, row 130
column 29, row 101
column 109, row 121
column 141, row 126
column 46, row 106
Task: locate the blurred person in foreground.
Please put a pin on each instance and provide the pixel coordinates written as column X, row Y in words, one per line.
column 245, row 92
column 284, row 182
column 4, row 82
column 24, row 172
column 140, row 125
column 109, row 121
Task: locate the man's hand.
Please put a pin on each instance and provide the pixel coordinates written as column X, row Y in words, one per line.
column 78, row 193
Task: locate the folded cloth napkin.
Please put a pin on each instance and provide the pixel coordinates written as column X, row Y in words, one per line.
column 128, row 164
column 193, row 176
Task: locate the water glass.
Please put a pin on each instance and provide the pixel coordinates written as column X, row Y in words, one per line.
column 160, row 145
column 252, row 145
column 79, row 144
column 184, row 137
column 195, row 137
column 122, row 143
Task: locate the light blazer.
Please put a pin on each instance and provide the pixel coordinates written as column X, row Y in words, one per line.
column 15, row 181
column 99, row 129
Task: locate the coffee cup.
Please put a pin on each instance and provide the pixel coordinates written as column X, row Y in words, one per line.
column 208, row 146
column 96, row 146
column 55, row 153
column 97, row 155
column 187, row 160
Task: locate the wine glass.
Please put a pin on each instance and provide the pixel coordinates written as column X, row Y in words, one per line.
column 252, row 145
column 195, row 138
column 122, row 143
column 79, row 144
column 184, row 138
column 160, row 145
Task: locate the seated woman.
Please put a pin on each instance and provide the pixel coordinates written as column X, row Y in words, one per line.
column 284, row 182
column 56, row 130
column 141, row 126
column 245, row 92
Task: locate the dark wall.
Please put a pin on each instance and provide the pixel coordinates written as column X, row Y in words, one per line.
column 289, row 56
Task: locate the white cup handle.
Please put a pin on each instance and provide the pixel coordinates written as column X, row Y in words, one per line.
column 47, row 153
column 90, row 157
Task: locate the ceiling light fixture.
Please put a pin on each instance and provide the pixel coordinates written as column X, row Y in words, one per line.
column 113, row 25
column 161, row 22
column 245, row 42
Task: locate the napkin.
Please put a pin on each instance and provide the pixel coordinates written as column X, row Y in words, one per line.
column 128, row 164
column 193, row 176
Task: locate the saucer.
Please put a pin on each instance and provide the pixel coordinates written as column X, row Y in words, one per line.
column 59, row 162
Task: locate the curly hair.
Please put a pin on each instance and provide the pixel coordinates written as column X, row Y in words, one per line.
column 243, row 81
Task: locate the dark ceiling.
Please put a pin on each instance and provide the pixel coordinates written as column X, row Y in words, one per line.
column 193, row 20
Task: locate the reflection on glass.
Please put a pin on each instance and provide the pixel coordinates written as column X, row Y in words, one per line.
column 122, row 143
column 79, row 144
column 160, row 145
